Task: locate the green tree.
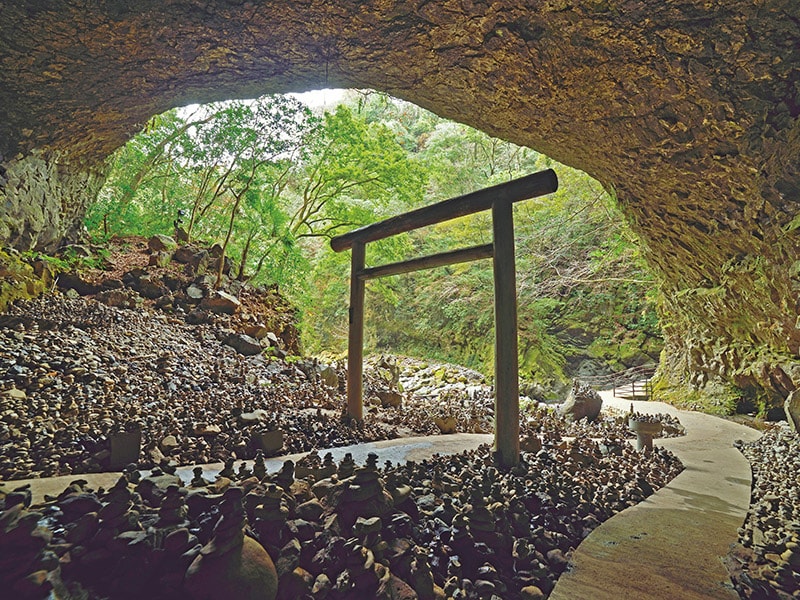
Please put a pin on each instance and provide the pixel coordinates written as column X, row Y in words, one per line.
column 273, row 184
column 354, row 171
column 580, row 280
column 223, row 161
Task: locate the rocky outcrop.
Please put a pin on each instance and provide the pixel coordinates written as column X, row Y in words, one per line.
column 44, row 202
column 686, row 111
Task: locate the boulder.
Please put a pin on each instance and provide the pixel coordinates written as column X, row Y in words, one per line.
column 112, row 283
column 531, row 592
column 255, row 416
column 446, row 424
column 148, row 286
column 530, row 443
column 198, row 264
column 389, row 398
column 204, row 429
column 168, row 444
column 119, row 298
column 15, row 393
column 258, row 331
column 221, row 303
column 243, row 344
column 268, row 441
column 198, row 317
column 161, row 243
column 245, row 572
column 72, row 281
column 159, row 259
column 195, row 293
column 582, row 403
column 184, row 254
column 151, row 289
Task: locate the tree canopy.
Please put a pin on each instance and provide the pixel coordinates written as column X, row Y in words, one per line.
column 271, row 182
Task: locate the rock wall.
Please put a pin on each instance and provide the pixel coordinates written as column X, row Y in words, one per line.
column 687, row 110
column 44, row 200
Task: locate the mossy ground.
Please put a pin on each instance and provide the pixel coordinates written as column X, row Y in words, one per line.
column 714, row 399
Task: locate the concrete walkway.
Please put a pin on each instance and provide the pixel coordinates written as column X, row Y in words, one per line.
column 670, row 546
column 397, row 450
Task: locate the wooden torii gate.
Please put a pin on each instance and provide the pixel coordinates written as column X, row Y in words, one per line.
column 500, row 198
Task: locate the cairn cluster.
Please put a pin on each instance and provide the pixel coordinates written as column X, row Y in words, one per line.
column 766, row 562
column 448, row 527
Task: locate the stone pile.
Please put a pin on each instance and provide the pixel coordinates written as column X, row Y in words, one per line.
column 86, row 386
column 27, row 565
column 583, row 402
column 539, row 419
column 82, row 385
column 448, row 527
column 442, row 398
column 766, row 562
column 182, row 281
column 435, row 397
column 75, row 372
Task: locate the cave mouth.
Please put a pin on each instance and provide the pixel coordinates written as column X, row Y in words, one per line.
column 682, row 111
column 449, row 160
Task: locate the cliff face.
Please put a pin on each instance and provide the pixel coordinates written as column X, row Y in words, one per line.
column 686, row 110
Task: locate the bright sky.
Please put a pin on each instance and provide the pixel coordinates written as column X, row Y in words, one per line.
column 326, row 98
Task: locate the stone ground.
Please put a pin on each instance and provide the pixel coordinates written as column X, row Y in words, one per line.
column 669, row 546
column 397, row 450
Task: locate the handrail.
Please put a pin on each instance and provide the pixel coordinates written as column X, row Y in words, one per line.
column 530, row 186
column 627, row 376
column 632, row 376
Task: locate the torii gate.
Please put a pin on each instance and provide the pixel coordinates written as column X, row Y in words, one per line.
column 500, row 198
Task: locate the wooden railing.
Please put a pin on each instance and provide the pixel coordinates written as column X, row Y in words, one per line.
column 631, row 383
column 500, row 199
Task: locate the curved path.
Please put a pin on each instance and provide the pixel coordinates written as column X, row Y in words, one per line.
column 670, row 546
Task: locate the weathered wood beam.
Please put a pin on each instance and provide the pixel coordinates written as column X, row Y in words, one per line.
column 355, row 342
column 506, row 361
column 530, row 186
column 429, row 262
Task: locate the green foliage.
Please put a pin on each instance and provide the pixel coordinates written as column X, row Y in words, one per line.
column 355, row 172
column 274, row 183
column 715, row 398
column 18, row 280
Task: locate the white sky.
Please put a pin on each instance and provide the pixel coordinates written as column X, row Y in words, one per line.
column 326, row 98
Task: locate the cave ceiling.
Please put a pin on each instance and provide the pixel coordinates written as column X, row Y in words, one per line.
column 687, row 111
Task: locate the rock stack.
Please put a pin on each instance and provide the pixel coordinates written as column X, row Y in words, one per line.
column 27, row 567
column 446, row 527
column 583, row 402
column 766, row 562
column 232, row 565
column 361, row 495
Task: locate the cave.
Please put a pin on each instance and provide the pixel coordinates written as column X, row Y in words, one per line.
column 686, row 112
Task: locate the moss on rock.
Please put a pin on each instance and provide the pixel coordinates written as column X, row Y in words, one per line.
column 19, row 279
column 716, row 398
